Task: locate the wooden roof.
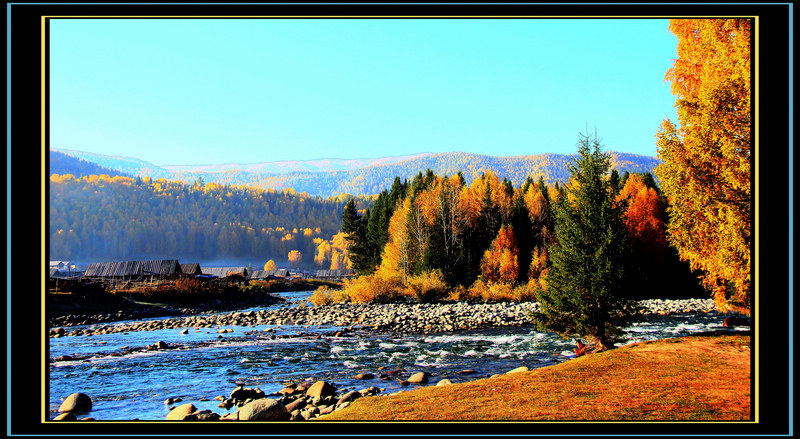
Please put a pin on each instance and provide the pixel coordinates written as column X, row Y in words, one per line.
column 262, row 274
column 225, row 271
column 158, row 267
column 191, row 268
column 335, row 273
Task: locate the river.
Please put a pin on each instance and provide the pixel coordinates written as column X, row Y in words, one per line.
column 125, row 385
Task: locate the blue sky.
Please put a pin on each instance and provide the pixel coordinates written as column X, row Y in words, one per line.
column 213, row 91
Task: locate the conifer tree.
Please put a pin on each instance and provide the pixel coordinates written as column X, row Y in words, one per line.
column 354, row 227
column 585, row 296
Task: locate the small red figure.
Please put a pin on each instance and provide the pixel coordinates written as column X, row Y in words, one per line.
column 580, row 350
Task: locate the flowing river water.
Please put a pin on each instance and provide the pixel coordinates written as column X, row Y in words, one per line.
column 127, row 384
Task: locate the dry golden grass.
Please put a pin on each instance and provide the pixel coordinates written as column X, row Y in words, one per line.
column 687, row 378
column 326, row 296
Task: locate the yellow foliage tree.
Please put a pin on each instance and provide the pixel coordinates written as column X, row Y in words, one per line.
column 537, row 271
column 270, row 266
column 295, row 258
column 323, row 252
column 705, row 170
column 396, row 254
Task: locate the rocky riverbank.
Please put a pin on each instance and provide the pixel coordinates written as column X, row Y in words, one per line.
column 301, row 401
column 295, row 402
column 386, row 318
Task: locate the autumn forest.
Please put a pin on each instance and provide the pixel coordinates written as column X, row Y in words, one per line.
column 592, row 240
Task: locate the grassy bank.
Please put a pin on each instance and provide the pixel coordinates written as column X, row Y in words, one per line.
column 688, row 378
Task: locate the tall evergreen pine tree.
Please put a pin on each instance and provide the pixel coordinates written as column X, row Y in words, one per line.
column 355, row 227
column 585, row 294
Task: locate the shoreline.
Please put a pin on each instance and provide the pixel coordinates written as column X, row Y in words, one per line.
column 404, row 318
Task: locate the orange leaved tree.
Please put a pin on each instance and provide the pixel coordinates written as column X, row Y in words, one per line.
column 499, row 263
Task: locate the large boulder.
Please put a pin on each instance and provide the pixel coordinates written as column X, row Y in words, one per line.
column 519, row 369
column 76, row 403
column 182, row 412
column 264, row 409
column 419, row 378
column 321, row 389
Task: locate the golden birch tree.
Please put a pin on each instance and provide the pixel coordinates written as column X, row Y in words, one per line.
column 705, row 172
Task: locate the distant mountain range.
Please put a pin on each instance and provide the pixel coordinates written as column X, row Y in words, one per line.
column 331, row 177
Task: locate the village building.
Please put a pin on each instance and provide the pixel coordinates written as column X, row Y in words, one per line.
column 134, row 270
column 223, row 272
column 191, row 269
column 335, row 275
column 269, row 274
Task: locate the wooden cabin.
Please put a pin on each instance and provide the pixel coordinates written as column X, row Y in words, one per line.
column 191, row 269
column 223, row 272
column 335, row 275
column 269, row 274
column 134, row 270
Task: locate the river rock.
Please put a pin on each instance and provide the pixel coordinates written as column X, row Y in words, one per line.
column 206, row 415
column 182, row 412
column 364, row 376
column 65, row 417
column 240, row 393
column 419, row 378
column 321, row 389
column 234, row 416
column 297, row 404
column 76, row 403
column 349, row 397
column 288, row 391
column 519, row 369
column 264, row 409
column 444, row 382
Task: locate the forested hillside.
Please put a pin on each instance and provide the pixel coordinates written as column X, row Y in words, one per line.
column 334, row 177
column 115, row 218
column 61, row 163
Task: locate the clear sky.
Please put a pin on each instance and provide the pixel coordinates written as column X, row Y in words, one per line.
column 214, row 91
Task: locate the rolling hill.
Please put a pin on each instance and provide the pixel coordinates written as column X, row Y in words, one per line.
column 331, row 177
column 61, row 163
